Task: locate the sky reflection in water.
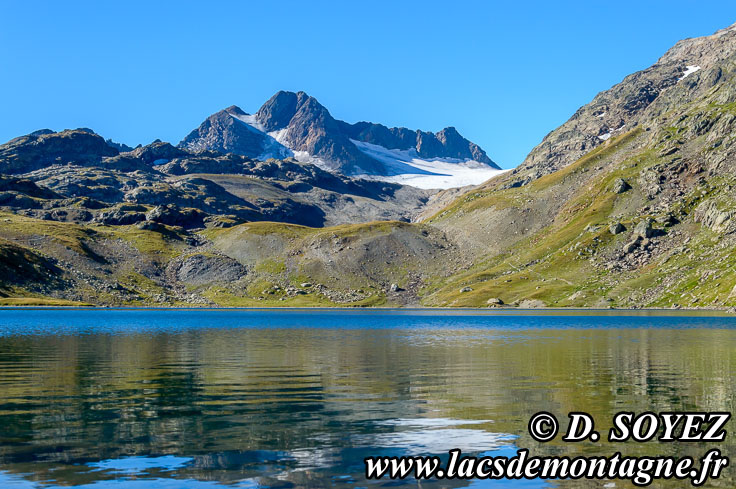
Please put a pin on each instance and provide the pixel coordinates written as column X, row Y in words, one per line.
column 201, row 399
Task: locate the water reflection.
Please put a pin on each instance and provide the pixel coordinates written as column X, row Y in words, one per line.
column 199, row 399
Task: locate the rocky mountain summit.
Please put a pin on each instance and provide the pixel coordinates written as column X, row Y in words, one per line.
column 295, row 124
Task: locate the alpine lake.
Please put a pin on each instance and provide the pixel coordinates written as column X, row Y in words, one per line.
column 202, row 398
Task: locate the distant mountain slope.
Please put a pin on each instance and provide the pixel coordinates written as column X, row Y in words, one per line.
column 295, row 124
column 75, row 175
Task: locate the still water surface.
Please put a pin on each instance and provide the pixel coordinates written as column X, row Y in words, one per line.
column 292, row 398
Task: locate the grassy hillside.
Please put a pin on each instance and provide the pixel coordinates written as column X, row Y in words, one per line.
column 254, row 264
column 574, row 238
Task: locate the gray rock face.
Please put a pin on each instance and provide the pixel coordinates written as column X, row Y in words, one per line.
column 295, row 122
column 157, row 153
column 206, row 269
column 305, row 125
column 711, row 216
column 225, row 133
column 447, row 143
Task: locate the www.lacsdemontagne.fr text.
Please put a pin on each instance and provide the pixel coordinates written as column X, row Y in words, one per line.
column 641, row 471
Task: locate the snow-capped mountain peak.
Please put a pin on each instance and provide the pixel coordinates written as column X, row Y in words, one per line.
column 297, row 125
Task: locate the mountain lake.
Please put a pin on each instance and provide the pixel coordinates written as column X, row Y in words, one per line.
column 202, row 398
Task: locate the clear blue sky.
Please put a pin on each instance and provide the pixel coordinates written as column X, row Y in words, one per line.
column 503, row 73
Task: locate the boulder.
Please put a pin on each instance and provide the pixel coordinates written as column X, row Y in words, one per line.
column 644, row 228
column 466, row 289
column 531, row 304
column 494, row 301
column 620, row 186
column 616, row 228
column 632, row 245
column 666, row 220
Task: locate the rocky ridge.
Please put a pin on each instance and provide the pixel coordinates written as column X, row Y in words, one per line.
column 295, row 124
column 687, row 71
column 76, row 176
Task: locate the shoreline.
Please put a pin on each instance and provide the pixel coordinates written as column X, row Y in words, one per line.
column 653, row 311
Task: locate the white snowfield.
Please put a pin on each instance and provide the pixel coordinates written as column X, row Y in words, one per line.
column 433, row 173
column 689, row 70
column 405, row 165
column 272, row 147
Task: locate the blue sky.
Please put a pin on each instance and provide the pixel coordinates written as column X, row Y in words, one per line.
column 503, row 73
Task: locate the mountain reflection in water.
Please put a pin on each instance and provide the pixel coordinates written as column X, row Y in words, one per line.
column 200, row 399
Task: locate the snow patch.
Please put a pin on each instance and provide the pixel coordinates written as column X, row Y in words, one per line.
column 272, row 146
column 250, row 120
column 605, row 137
column 601, row 115
column 428, row 173
column 305, row 157
column 279, row 135
column 405, row 166
column 689, row 70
